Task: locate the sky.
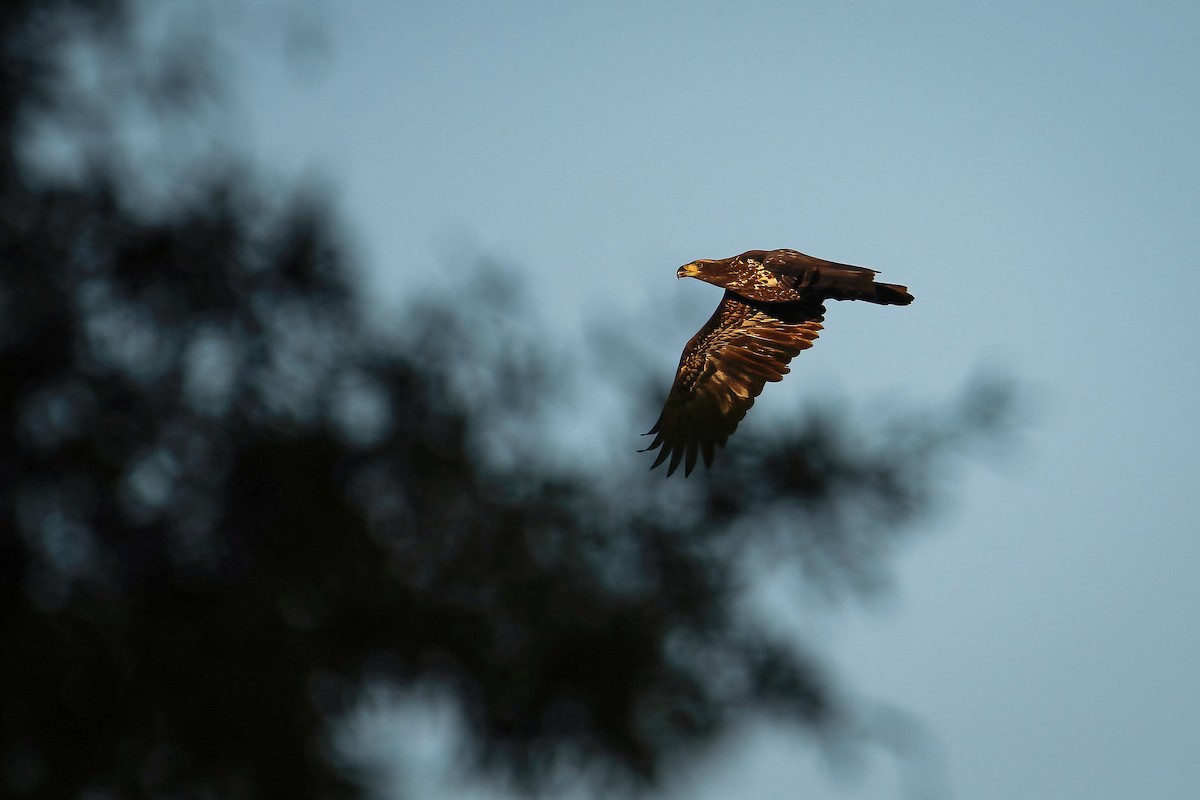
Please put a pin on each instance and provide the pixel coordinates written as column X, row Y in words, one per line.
column 1030, row 170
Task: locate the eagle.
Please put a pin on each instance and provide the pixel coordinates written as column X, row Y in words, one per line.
column 773, row 307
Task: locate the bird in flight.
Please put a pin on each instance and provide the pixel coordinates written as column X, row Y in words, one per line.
column 772, row 309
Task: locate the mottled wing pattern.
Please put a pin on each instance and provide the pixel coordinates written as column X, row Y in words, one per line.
column 808, row 275
column 723, row 368
column 793, row 262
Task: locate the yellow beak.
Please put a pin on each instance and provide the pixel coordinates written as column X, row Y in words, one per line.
column 688, row 270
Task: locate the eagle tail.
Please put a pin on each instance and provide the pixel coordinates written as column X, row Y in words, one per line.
column 844, row 282
column 889, row 294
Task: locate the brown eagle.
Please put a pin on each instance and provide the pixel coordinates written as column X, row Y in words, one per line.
column 772, row 309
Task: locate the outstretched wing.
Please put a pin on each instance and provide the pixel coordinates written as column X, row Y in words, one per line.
column 793, row 262
column 723, row 368
column 832, row 281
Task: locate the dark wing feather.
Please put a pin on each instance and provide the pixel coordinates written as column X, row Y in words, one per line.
column 723, row 368
column 830, row 280
column 793, row 262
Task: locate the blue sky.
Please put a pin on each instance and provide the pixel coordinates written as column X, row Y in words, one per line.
column 1030, row 170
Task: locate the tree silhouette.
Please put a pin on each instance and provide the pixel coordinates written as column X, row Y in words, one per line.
column 227, row 506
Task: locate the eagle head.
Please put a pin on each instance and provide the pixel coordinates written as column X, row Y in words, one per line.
column 695, row 269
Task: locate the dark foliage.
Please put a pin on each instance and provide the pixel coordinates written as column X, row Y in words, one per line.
column 225, row 508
